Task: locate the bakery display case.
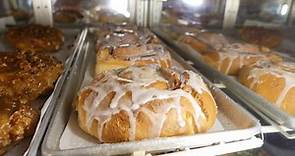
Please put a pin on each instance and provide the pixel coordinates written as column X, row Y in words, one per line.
column 93, row 12
column 16, row 11
column 263, row 12
column 245, row 56
column 193, row 13
column 147, row 77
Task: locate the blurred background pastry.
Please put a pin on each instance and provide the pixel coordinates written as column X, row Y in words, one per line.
column 35, row 38
column 234, row 56
column 67, row 15
column 204, row 42
column 125, row 47
column 271, row 38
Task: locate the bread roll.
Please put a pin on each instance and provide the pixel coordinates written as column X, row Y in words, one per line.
column 234, row 56
column 144, row 102
column 275, row 82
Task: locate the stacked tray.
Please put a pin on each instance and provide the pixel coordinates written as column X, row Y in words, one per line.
column 235, row 129
column 275, row 116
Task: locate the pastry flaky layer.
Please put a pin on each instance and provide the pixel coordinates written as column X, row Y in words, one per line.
column 35, row 38
column 144, row 102
column 125, row 47
column 274, row 81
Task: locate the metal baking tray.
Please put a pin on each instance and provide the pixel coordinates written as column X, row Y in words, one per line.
column 265, row 109
column 241, row 130
column 66, row 55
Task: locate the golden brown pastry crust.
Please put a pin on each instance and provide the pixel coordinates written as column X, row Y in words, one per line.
column 26, row 76
column 232, row 58
column 261, row 36
column 17, row 122
column 67, row 16
column 137, row 103
column 23, row 78
column 205, row 42
column 126, row 47
column 275, row 82
column 35, row 38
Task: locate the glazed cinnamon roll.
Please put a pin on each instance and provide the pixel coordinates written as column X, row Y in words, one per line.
column 204, row 42
column 273, row 81
column 124, row 48
column 233, row 57
column 145, row 102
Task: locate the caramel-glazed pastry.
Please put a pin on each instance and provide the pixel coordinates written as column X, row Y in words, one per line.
column 205, row 41
column 17, row 121
column 122, row 49
column 137, row 103
column 26, row 76
column 275, row 82
column 107, row 16
column 234, row 56
column 23, row 78
column 35, row 38
column 261, row 36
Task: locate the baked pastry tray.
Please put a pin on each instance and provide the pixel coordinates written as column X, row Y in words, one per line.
column 30, row 145
column 237, row 129
column 273, row 115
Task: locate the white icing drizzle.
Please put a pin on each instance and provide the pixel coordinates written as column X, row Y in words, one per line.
column 217, row 41
column 237, row 51
column 283, row 70
column 136, row 82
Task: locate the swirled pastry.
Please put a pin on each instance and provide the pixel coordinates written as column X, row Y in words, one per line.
column 137, row 103
column 204, row 42
column 275, row 82
column 126, row 47
column 35, row 38
column 235, row 56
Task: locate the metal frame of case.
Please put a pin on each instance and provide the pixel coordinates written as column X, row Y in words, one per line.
column 148, row 12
